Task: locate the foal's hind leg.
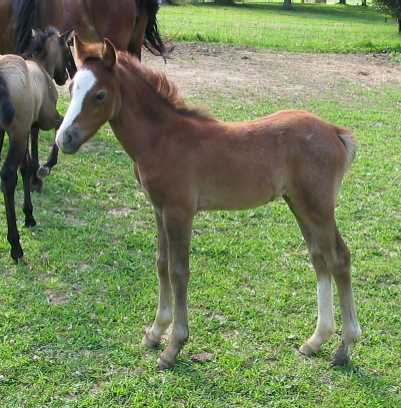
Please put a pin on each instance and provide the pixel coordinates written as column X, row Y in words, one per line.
column 330, row 257
column 339, row 264
column 164, row 310
column 8, row 183
column 325, row 326
column 27, row 172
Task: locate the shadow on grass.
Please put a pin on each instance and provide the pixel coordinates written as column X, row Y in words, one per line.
column 373, row 384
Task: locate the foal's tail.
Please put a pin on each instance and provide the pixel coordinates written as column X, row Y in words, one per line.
column 349, row 143
column 7, row 110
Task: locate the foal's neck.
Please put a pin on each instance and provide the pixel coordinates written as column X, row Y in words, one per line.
column 144, row 118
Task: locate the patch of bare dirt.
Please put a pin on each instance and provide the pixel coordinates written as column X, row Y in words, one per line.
column 254, row 73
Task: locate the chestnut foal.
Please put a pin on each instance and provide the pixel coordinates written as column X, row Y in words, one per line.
column 188, row 162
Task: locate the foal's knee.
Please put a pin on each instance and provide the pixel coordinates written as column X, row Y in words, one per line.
column 162, row 264
column 339, row 261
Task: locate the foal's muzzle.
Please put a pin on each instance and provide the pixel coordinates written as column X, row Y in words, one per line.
column 69, row 140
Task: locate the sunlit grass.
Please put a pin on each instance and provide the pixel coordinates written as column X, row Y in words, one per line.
column 310, row 27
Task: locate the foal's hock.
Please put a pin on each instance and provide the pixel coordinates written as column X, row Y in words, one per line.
column 188, row 162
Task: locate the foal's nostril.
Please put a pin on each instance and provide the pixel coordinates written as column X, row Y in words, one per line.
column 68, row 136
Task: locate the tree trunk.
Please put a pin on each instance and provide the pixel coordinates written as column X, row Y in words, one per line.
column 399, row 25
column 364, row 3
column 287, row 5
column 342, row 2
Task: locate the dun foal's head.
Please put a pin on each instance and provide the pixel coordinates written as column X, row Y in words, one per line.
column 51, row 50
column 94, row 95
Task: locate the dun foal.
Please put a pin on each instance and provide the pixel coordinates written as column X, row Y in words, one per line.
column 188, row 162
column 28, row 99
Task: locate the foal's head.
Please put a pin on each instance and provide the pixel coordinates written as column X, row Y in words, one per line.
column 51, row 50
column 94, row 95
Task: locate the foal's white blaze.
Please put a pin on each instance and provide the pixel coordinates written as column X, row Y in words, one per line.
column 83, row 82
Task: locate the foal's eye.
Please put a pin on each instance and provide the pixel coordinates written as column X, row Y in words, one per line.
column 100, row 96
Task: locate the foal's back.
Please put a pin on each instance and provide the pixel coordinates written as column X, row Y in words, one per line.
column 32, row 93
column 246, row 164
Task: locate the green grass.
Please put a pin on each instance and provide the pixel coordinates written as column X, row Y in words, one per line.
column 72, row 318
column 309, row 27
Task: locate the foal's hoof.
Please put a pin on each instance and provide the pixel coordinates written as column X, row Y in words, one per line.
column 165, row 364
column 149, row 343
column 341, row 358
column 37, row 185
column 30, row 223
column 43, row 172
column 17, row 253
column 307, row 351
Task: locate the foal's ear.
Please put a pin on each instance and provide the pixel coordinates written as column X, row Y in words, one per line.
column 109, row 54
column 85, row 50
column 67, row 36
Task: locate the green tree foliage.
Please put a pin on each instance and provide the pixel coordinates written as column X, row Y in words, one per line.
column 390, row 7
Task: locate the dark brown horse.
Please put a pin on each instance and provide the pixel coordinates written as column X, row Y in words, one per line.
column 129, row 24
column 188, row 162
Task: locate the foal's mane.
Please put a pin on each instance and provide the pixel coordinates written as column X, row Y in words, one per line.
column 161, row 85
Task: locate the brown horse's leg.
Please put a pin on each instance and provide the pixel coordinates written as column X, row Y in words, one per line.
column 164, row 310
column 27, row 172
column 178, row 227
column 330, row 257
column 9, row 179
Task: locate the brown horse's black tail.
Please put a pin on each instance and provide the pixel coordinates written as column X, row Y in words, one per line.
column 153, row 40
column 26, row 17
column 7, row 110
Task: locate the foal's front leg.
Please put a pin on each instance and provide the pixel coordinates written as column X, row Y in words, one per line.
column 164, row 310
column 178, row 227
column 37, row 184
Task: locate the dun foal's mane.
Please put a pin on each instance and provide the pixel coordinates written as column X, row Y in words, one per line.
column 160, row 84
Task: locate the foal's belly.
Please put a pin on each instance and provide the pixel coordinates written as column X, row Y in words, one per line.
column 237, row 197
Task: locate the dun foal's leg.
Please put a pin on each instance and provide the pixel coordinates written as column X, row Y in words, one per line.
column 8, row 183
column 178, row 226
column 164, row 310
column 37, row 183
column 2, row 134
column 27, row 173
column 46, row 169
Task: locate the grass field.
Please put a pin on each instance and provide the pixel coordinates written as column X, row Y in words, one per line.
column 309, row 27
column 73, row 316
